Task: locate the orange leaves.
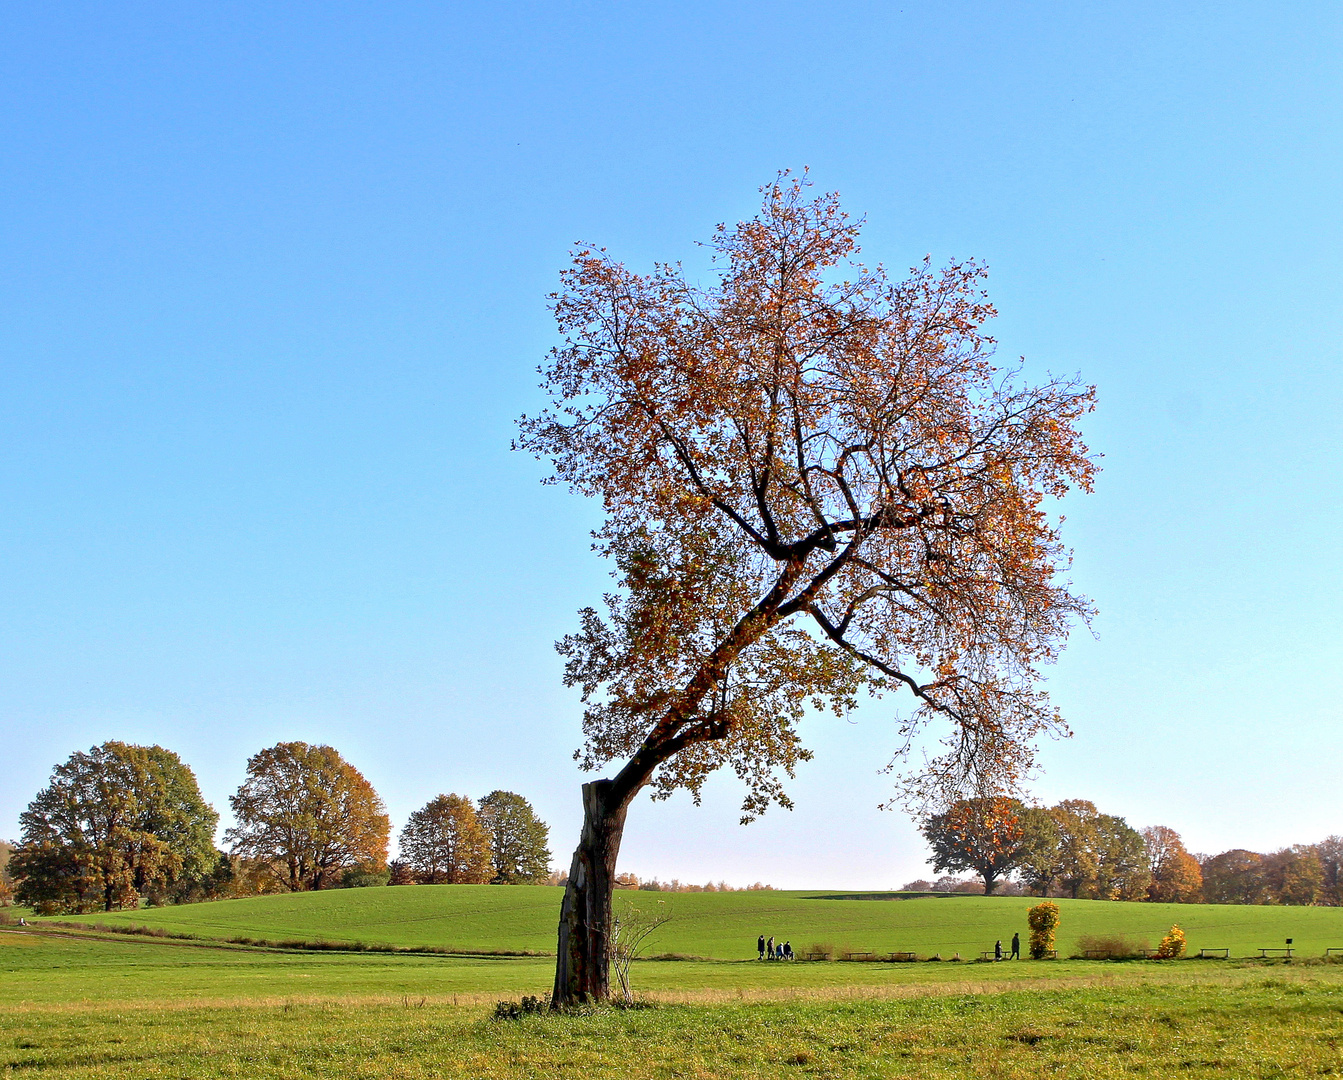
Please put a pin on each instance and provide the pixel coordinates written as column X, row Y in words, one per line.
column 1043, row 919
column 1172, row 946
column 806, row 439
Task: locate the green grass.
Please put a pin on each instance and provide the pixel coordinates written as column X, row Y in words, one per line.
column 88, row 1008
column 43, row 970
column 725, row 925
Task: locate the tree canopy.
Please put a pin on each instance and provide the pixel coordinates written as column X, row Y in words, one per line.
column 518, row 839
column 308, row 815
column 1175, row 876
column 982, row 834
column 115, row 824
column 807, row 438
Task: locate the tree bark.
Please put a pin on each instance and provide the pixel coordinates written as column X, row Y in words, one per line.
column 582, row 971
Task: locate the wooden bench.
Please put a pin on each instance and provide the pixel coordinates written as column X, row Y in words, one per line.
column 989, row 954
column 1269, row 953
column 902, row 957
column 860, row 956
column 815, row 954
column 1214, row 954
column 1333, row 952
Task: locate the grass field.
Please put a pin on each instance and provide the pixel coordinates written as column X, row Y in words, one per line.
column 133, row 1007
column 83, row 1004
column 725, row 925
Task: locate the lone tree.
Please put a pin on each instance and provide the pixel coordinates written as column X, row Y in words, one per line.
column 115, row 824
column 309, row 815
column 982, row 834
column 518, row 839
column 815, row 483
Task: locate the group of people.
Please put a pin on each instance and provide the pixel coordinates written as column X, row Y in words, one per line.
column 1016, row 948
column 770, row 951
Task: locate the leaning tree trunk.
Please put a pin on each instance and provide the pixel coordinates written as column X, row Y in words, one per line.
column 582, row 968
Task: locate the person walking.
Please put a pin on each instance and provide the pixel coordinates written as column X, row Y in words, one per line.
column 769, row 949
column 998, row 949
column 1016, row 946
column 760, row 946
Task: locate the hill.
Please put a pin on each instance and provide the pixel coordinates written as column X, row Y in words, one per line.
column 481, row 918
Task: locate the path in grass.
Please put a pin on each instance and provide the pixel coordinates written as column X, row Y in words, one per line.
column 725, row 925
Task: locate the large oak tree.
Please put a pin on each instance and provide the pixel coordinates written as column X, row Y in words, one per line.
column 308, row 815
column 114, row 824
column 816, row 482
column 983, row 834
column 519, row 840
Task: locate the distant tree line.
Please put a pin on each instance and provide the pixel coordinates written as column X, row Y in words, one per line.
column 633, row 881
column 1072, row 849
column 124, row 825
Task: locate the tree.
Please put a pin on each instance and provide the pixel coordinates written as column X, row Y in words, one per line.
column 308, row 815
column 815, row 482
column 444, row 842
column 115, row 824
column 1330, row 852
column 1121, row 861
column 1175, row 877
column 1294, row 875
column 1079, row 843
column 518, row 839
column 1235, row 877
column 983, row 835
column 1039, row 857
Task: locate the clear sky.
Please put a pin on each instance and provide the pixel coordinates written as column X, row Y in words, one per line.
column 273, row 292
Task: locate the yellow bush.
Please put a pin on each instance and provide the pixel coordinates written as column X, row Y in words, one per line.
column 1172, row 945
column 1043, row 920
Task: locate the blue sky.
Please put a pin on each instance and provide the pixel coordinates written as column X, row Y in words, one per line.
column 274, row 286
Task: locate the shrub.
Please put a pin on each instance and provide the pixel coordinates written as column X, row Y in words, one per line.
column 363, row 877
column 1112, row 946
column 1172, row 945
column 516, row 1010
column 1043, row 920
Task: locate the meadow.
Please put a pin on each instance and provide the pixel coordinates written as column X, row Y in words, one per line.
column 724, row 926
column 91, row 1008
column 92, row 1003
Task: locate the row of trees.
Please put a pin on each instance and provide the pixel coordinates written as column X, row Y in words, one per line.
column 1072, row 849
column 124, row 824
column 1300, row 874
column 653, row 884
